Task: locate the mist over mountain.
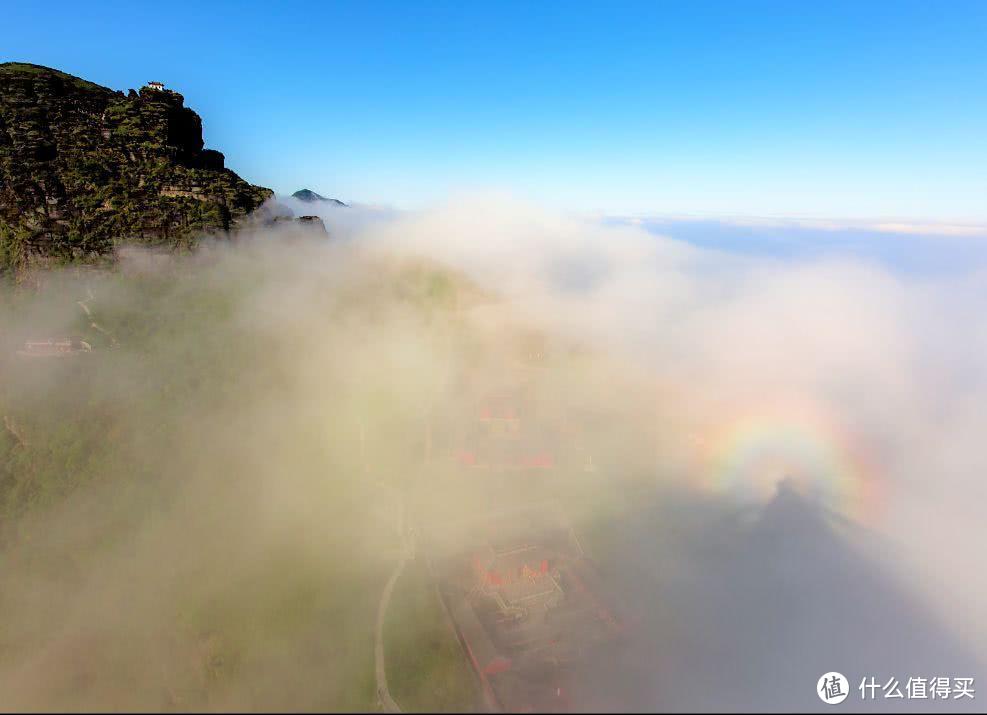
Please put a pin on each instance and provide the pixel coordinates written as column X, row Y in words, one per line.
column 217, row 455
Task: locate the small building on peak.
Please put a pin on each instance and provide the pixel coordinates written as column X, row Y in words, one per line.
column 156, row 85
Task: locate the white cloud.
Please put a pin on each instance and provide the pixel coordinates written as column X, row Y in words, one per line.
column 929, row 228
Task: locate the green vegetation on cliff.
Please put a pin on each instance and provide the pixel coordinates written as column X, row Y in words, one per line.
column 83, row 167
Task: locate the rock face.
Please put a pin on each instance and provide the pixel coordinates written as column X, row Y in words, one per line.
column 83, row 167
column 306, row 225
column 310, row 196
column 314, row 224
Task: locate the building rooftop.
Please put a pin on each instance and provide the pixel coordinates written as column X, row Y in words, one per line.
column 54, row 347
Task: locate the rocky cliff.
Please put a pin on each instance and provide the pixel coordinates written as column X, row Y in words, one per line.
column 83, row 167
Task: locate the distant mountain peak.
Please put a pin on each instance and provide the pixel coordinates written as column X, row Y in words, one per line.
column 310, row 196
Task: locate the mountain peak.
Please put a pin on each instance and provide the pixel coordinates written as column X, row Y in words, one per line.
column 309, row 196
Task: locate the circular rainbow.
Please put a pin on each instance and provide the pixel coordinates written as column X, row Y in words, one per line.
column 749, row 458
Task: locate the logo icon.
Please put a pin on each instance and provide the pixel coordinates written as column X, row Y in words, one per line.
column 833, row 688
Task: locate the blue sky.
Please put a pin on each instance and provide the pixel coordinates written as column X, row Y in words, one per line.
column 838, row 110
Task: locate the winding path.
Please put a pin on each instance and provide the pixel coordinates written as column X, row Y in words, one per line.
column 384, row 700
column 84, row 304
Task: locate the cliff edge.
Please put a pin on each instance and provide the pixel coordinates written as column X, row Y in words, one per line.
column 83, row 167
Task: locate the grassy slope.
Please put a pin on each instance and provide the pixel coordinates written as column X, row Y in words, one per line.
column 22, row 68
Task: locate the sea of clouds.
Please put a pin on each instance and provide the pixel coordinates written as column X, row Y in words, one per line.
column 741, row 596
